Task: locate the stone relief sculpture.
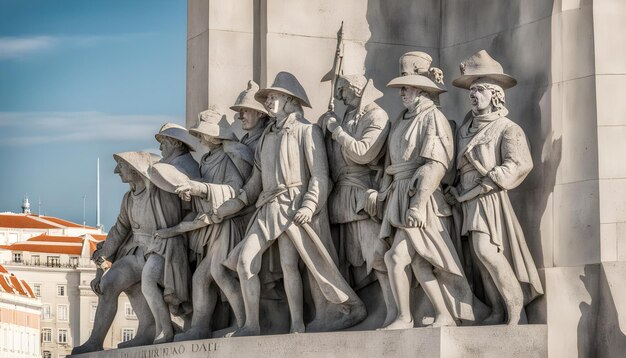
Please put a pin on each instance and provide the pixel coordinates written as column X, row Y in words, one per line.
column 222, row 170
column 121, row 257
column 355, row 146
column 273, row 194
column 494, row 157
column 416, row 214
column 289, row 184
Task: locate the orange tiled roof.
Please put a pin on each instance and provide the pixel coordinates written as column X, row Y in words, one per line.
column 55, row 238
column 51, row 249
column 9, row 283
column 20, row 221
column 98, row 237
column 64, row 222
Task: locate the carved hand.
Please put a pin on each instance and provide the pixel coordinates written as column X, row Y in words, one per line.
column 303, row 216
column 331, row 123
column 106, row 264
column 163, row 234
column 193, row 188
column 451, row 196
column 415, row 218
column 371, row 204
column 229, row 207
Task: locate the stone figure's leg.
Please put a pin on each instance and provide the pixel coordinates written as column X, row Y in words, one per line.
column 204, row 298
column 350, row 309
column 146, row 326
column 380, row 270
column 502, row 274
column 248, row 268
column 497, row 314
column 293, row 282
column 151, row 280
column 227, row 282
column 424, row 273
column 397, row 259
column 124, row 273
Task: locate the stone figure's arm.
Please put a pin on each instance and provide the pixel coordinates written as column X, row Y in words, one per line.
column 317, row 161
column 192, row 221
column 252, row 188
column 427, row 179
column 516, row 159
column 368, row 147
column 118, row 233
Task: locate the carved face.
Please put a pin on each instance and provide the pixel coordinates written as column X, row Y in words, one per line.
column 409, row 96
column 168, row 146
column 275, row 103
column 126, row 172
column 345, row 93
column 480, row 98
column 249, row 118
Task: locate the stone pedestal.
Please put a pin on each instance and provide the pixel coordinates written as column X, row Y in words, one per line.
column 493, row 341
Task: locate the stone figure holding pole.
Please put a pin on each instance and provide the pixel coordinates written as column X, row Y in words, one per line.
column 289, row 184
column 121, row 257
column 223, row 170
column 494, row 157
column 356, row 145
column 419, row 152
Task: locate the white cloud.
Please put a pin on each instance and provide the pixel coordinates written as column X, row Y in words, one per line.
column 11, row 47
column 29, row 128
column 22, row 46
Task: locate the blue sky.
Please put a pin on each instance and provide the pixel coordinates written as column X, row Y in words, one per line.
column 81, row 80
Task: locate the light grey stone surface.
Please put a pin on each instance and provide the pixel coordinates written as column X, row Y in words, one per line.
column 496, row 341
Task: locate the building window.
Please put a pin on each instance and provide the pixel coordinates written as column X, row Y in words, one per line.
column 46, row 335
column 54, row 261
column 129, row 311
column 45, row 312
column 62, row 336
column 61, row 290
column 37, row 289
column 74, row 261
column 36, row 260
column 128, row 334
column 92, row 314
column 17, row 257
column 46, row 354
column 62, row 312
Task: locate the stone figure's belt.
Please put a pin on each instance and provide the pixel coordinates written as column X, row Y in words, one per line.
column 353, row 176
column 267, row 196
column 402, row 170
column 142, row 238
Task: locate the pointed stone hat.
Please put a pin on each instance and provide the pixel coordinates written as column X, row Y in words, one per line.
column 415, row 71
column 246, row 99
column 140, row 161
column 482, row 66
column 178, row 132
column 285, row 83
column 213, row 123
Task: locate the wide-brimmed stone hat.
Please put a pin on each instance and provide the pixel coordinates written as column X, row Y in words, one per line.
column 482, row 66
column 213, row 123
column 415, row 71
column 167, row 177
column 140, row 161
column 178, row 132
column 285, row 83
column 246, row 99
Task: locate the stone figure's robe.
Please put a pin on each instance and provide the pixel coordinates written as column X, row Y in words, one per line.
column 355, row 149
column 223, row 171
column 414, row 140
column 290, row 172
column 494, row 148
column 185, row 164
column 140, row 215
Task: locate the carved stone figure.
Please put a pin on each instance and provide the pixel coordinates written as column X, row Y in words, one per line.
column 252, row 114
column 222, row 170
column 493, row 157
column 176, row 144
column 355, row 146
column 416, row 214
column 121, row 257
column 289, row 184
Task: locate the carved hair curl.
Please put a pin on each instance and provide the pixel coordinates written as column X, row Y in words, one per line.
column 497, row 95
